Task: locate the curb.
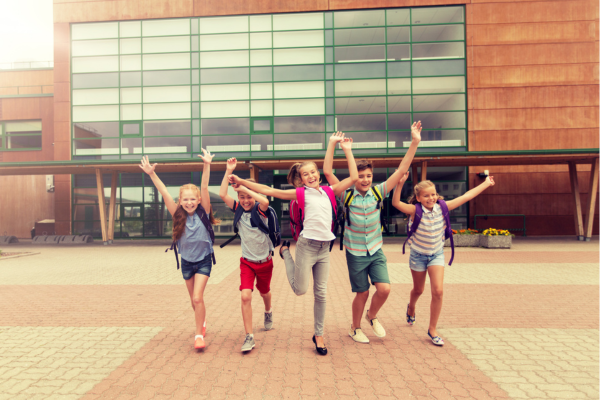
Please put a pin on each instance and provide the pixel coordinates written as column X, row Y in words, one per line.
column 19, row 255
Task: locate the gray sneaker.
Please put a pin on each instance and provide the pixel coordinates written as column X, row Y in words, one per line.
column 248, row 343
column 268, row 321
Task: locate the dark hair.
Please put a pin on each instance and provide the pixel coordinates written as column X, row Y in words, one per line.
column 412, row 199
column 294, row 178
column 361, row 165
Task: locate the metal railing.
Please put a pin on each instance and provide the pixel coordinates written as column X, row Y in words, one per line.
column 524, row 229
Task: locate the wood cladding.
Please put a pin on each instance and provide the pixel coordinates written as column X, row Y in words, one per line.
column 41, row 77
column 534, row 139
column 541, row 11
column 533, row 97
column 535, row 54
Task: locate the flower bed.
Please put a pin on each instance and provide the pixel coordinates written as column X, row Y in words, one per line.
column 496, row 239
column 464, row 238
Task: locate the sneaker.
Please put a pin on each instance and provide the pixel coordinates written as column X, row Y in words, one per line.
column 358, row 336
column 410, row 319
column 248, row 343
column 285, row 243
column 204, row 329
column 199, row 342
column 438, row 341
column 377, row 328
column 268, row 321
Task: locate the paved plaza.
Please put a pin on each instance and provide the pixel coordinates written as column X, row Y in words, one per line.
column 115, row 322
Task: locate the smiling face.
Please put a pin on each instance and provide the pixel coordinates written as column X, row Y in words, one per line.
column 310, row 176
column 427, row 197
column 246, row 201
column 189, row 200
column 365, row 180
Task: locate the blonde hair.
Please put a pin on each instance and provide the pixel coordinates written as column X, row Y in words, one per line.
column 418, row 187
column 294, row 177
column 180, row 216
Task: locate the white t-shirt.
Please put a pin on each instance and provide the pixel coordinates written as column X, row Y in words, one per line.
column 317, row 221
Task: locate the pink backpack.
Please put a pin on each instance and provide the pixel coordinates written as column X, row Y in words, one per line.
column 297, row 211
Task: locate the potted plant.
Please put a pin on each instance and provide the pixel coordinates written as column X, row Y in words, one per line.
column 464, row 238
column 496, row 239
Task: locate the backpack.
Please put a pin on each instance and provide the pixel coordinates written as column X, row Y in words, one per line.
column 297, row 212
column 417, row 220
column 206, row 222
column 348, row 197
column 272, row 227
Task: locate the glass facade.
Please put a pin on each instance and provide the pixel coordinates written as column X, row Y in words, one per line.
column 20, row 135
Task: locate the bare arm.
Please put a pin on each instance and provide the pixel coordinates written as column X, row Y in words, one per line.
column 207, row 158
column 263, row 202
column 336, row 138
column 471, row 194
column 264, row 189
column 341, row 187
column 408, row 157
column 229, row 201
column 149, row 169
column 408, row 209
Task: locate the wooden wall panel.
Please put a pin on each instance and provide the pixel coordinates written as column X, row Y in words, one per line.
column 533, row 97
column 542, row 11
column 534, row 139
column 21, row 108
column 532, row 183
column 536, row 75
column 532, row 54
column 534, row 118
column 142, row 9
column 352, row 4
column 26, row 78
column 232, row 7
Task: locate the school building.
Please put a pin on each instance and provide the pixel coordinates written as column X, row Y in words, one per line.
column 505, row 86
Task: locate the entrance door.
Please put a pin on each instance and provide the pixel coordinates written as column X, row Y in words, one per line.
column 282, row 207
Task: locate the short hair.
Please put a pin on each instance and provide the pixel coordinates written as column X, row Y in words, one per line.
column 364, row 164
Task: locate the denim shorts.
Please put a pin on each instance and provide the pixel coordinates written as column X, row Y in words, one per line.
column 202, row 267
column 420, row 262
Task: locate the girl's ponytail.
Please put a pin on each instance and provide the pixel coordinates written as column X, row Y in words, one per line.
column 293, row 177
column 211, row 217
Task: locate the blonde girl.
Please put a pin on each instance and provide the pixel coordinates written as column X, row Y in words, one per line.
column 194, row 236
column 427, row 245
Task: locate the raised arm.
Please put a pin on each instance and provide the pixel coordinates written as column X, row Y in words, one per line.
column 207, row 159
column 149, row 169
column 341, row 187
column 229, row 201
column 336, row 138
column 262, row 201
column 471, row 194
column 408, row 209
column 264, row 189
column 415, row 131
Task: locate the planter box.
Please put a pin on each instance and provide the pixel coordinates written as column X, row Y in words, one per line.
column 464, row 241
column 496, row 242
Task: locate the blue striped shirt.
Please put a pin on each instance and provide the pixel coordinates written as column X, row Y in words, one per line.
column 429, row 237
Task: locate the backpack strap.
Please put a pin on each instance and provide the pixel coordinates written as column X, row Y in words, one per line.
column 329, row 191
column 206, row 221
column 348, row 197
column 379, row 198
column 174, row 247
column 448, row 231
column 300, row 200
column 415, row 224
column 238, row 211
column 256, row 220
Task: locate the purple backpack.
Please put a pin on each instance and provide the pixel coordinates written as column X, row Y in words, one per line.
column 417, row 220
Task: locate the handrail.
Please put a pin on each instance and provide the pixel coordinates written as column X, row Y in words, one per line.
column 524, row 229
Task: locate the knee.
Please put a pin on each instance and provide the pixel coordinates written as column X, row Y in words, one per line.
column 417, row 291
column 363, row 296
column 437, row 293
column 246, row 297
column 384, row 290
column 265, row 295
column 197, row 301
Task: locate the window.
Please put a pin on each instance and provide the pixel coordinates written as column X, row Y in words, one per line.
column 21, row 135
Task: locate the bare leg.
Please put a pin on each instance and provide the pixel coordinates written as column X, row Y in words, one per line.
column 417, row 290
column 198, row 300
column 267, row 300
column 436, row 276
column 247, row 309
column 379, row 298
column 358, row 306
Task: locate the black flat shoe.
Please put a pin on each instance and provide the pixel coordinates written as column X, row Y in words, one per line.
column 285, row 243
column 321, row 350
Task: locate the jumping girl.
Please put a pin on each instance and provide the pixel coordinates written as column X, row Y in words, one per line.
column 194, row 236
column 427, row 244
column 312, row 249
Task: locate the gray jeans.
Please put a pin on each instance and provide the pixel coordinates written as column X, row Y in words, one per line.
column 310, row 255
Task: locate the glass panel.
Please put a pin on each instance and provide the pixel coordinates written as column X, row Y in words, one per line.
column 354, row 105
column 166, row 27
column 224, row 42
column 398, row 34
column 96, row 129
column 363, row 87
column 95, row 96
column 166, row 61
column 260, row 23
column 329, row 88
column 298, row 73
column 311, row 141
column 167, row 111
column 224, row 59
column 225, row 92
column 260, row 142
column 396, row 52
column 131, row 146
column 131, row 129
column 366, row 122
column 400, row 121
column 261, row 74
column 94, row 31
column 95, row 47
column 262, row 125
column 359, row 36
column 195, row 60
column 438, row 33
column 442, row 102
column 221, row 144
column 225, row 126
column 369, row 140
column 226, row 109
column 23, row 127
column 329, row 72
column 359, row 53
column 131, row 79
column 261, row 108
column 298, row 39
column 291, row 22
column 299, row 124
column 95, row 64
column 329, row 55
column 166, row 78
column 328, row 19
column 167, row 128
column 299, row 89
column 397, row 139
column 225, row 75
column 167, row 145
column 441, row 138
column 130, row 29
column 343, row 19
column 131, row 46
column 398, row 17
column 170, row 44
column 195, row 43
column 454, row 84
column 260, row 40
column 442, row 120
column 131, row 95
column 298, row 56
column 398, row 69
column 261, row 57
column 366, row 70
column 398, row 86
column 132, row 194
column 131, row 112
column 437, row 15
column 329, row 106
column 399, row 104
column 23, row 142
column 299, row 107
column 95, row 147
column 131, row 63
column 329, row 37
column 95, row 80
column 446, row 67
column 95, row 113
column 167, row 94
column 224, row 24
column 439, row 50
column 261, row 90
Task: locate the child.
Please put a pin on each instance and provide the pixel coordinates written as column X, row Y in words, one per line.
column 427, row 244
column 312, row 249
column 256, row 262
column 194, row 236
column 362, row 234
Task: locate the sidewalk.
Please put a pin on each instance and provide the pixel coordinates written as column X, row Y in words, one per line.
column 104, row 322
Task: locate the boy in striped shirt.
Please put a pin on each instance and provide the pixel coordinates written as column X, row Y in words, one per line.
column 362, row 234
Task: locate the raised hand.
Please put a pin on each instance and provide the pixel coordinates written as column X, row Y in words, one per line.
column 403, row 179
column 206, row 157
column 346, row 144
column 234, row 179
column 337, row 137
column 231, row 164
column 415, row 131
column 490, row 181
column 146, row 166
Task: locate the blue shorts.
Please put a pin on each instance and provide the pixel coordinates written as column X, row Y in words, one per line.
column 202, row 267
column 420, row 262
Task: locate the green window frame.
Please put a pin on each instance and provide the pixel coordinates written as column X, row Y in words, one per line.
column 30, row 129
column 124, row 127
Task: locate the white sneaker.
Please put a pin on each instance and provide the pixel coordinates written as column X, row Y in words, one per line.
column 358, row 336
column 377, row 328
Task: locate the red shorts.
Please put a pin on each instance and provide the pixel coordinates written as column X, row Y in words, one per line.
column 262, row 272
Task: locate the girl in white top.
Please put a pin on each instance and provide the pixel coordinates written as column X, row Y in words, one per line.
column 312, row 249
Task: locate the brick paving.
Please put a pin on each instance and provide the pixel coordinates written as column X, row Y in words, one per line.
column 104, row 322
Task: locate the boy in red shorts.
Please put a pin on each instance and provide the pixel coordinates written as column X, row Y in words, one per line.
column 256, row 262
